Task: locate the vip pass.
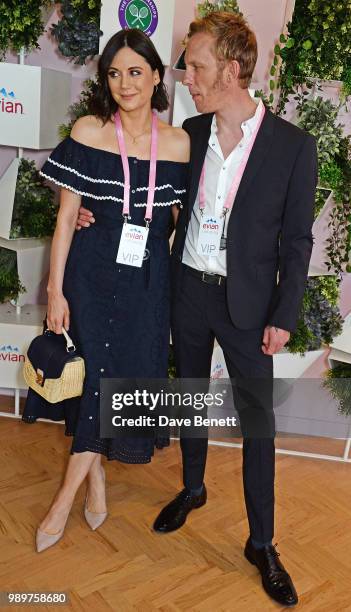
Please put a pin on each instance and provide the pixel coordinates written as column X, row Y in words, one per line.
column 210, row 235
column 132, row 246
column 141, row 14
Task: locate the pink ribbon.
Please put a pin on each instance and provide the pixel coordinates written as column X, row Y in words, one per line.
column 238, row 176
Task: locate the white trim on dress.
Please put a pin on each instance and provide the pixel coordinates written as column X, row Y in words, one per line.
column 96, row 197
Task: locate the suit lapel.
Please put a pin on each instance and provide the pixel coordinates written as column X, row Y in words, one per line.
column 199, row 144
column 257, row 156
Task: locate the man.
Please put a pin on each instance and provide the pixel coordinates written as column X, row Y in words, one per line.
column 234, row 296
column 254, row 175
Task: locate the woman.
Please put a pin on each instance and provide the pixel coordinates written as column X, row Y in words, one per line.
column 117, row 314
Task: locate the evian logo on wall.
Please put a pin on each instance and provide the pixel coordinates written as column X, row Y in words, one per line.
column 217, row 371
column 10, row 353
column 9, row 103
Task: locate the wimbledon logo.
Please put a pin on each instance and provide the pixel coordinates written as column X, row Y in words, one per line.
column 141, row 14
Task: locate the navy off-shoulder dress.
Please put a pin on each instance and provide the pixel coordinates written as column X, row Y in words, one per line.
column 119, row 315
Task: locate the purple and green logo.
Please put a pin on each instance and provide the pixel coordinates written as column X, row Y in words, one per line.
column 141, row 14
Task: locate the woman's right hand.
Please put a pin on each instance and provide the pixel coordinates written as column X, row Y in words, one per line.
column 58, row 313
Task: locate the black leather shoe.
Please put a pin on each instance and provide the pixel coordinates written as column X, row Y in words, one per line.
column 174, row 514
column 275, row 579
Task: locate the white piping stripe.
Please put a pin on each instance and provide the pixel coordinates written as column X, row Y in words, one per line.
column 110, row 182
column 87, row 178
column 177, row 191
column 95, row 197
column 159, row 204
column 83, row 193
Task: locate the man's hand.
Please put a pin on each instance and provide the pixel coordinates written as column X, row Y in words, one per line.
column 274, row 339
column 85, row 218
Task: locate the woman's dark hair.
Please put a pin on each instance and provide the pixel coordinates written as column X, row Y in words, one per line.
column 102, row 103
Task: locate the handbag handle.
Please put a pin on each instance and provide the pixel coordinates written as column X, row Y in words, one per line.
column 70, row 348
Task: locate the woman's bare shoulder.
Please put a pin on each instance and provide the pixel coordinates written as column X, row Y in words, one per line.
column 178, row 143
column 87, row 130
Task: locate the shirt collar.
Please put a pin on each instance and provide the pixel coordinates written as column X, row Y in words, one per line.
column 248, row 126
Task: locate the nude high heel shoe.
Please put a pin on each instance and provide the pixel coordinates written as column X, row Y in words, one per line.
column 45, row 540
column 94, row 519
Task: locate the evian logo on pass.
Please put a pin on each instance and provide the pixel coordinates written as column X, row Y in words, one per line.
column 8, row 103
column 210, row 224
column 134, row 234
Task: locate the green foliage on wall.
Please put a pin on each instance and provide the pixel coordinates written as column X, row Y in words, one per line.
column 338, row 383
column 10, row 286
column 78, row 109
column 320, row 319
column 34, row 212
column 318, row 45
column 20, row 24
column 78, row 31
column 319, row 117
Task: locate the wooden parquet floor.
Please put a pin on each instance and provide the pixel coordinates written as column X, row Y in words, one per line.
column 124, row 566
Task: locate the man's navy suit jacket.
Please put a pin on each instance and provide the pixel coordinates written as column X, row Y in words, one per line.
column 269, row 234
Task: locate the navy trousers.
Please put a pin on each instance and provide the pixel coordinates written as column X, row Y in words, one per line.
column 200, row 315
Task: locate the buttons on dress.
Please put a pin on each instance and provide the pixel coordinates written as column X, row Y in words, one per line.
column 135, row 161
column 90, row 418
column 102, row 370
column 96, row 393
column 107, row 344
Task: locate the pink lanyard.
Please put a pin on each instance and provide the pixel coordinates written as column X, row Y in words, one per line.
column 238, row 176
column 152, row 174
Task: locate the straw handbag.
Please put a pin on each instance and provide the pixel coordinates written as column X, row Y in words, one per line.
column 52, row 367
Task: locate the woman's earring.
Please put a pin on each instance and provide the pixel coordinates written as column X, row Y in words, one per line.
column 156, row 89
